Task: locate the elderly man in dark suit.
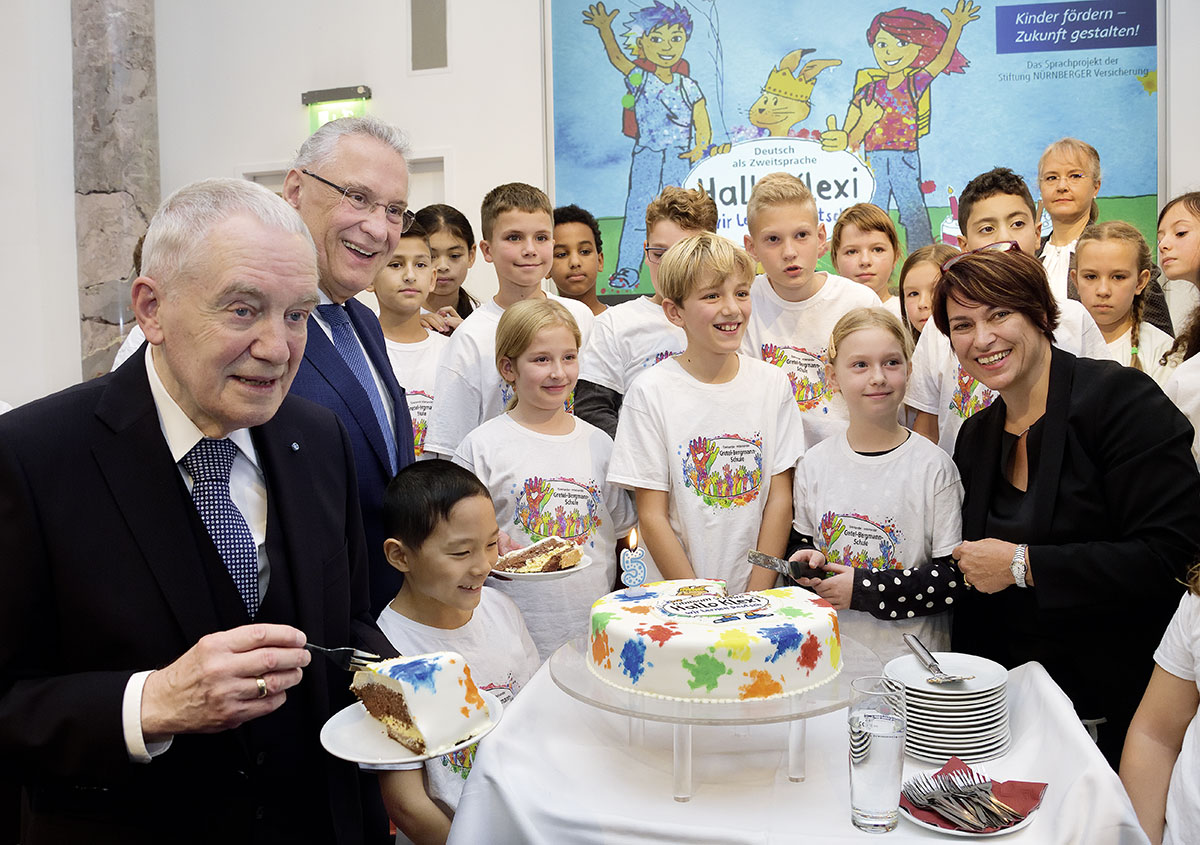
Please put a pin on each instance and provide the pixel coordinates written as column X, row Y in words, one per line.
column 172, row 534
column 350, row 184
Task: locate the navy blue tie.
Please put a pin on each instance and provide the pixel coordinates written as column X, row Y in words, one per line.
column 346, row 344
column 209, row 463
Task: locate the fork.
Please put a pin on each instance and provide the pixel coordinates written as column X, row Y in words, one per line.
column 345, row 658
column 979, row 787
column 921, row 792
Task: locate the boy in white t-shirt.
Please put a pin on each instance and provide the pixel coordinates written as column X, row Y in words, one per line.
column 400, row 288
column 442, row 534
column 578, row 256
column 632, row 337
column 708, row 439
column 795, row 307
column 518, row 239
column 995, row 206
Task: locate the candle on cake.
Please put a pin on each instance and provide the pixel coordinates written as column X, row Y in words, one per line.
column 633, row 566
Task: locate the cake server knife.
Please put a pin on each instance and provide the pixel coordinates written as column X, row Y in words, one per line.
column 790, row 568
column 926, row 658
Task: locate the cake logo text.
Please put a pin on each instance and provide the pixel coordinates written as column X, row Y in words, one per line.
column 718, row 607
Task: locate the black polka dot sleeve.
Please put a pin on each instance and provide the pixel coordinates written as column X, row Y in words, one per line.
column 905, row 593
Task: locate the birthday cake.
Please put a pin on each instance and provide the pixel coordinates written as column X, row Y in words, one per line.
column 690, row 639
column 427, row 703
column 549, row 554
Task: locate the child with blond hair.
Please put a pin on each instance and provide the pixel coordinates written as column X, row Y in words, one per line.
column 547, row 470
column 708, row 439
column 795, row 306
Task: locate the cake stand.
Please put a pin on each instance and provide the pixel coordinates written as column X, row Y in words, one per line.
column 569, row 669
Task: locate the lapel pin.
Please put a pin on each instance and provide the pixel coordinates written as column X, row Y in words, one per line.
column 295, row 446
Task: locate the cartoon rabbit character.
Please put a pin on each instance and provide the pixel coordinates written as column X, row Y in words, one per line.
column 785, row 96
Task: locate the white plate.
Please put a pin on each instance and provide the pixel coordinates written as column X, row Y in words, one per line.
column 546, row 576
column 355, row 735
column 958, row 732
column 961, row 749
column 1002, row 832
column 958, row 721
column 965, row 699
column 988, row 674
column 972, row 758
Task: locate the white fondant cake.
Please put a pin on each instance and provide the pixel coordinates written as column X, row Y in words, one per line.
column 690, row 639
column 427, row 703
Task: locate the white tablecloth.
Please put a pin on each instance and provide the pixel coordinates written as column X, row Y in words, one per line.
column 557, row 770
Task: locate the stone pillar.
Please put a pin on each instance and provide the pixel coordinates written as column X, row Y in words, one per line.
column 116, row 163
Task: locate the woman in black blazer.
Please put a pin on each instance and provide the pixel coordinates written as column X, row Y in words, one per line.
column 1081, row 513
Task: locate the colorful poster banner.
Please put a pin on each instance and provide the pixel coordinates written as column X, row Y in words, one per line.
column 865, row 101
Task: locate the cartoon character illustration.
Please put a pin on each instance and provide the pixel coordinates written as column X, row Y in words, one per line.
column 890, row 108
column 785, row 96
column 669, row 124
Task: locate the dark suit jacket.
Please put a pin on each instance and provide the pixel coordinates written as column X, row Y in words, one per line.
column 1115, row 527
column 325, row 379
column 106, row 571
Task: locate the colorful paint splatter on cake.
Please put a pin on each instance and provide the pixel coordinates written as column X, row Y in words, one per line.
column 785, row 637
column 762, row 685
column 706, row 670
column 633, row 659
column 659, row 634
column 737, row 642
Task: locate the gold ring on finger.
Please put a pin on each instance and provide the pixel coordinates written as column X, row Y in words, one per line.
column 262, row 687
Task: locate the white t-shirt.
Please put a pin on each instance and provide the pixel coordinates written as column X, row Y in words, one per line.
column 714, row 449
column 502, row 658
column 1153, row 343
column 940, row 386
column 894, row 511
column 553, row 485
column 468, row 389
column 1182, row 299
column 893, row 304
column 1179, row 654
column 627, row 340
column 1183, row 388
column 415, row 365
column 794, row 336
column 1057, row 261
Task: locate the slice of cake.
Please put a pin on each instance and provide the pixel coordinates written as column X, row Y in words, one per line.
column 427, row 703
column 548, row 555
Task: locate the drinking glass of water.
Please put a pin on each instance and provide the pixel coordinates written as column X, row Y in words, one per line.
column 876, row 752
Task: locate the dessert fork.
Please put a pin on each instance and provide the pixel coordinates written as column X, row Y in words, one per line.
column 345, row 658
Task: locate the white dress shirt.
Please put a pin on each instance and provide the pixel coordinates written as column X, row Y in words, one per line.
column 247, row 488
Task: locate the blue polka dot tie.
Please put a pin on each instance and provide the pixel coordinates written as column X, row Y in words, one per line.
column 209, row 463
column 347, row 346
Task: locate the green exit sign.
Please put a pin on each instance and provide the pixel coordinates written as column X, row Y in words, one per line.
column 334, row 103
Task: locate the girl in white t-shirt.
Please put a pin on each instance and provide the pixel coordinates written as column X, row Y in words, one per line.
column 1160, row 766
column 1179, row 256
column 919, row 274
column 1112, row 269
column 866, row 249
column 882, row 507
column 547, row 470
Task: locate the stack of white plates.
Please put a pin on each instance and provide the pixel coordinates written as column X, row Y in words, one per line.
column 964, row 719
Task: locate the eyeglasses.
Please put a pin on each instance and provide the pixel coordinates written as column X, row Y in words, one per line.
column 998, row 246
column 654, row 254
column 395, row 213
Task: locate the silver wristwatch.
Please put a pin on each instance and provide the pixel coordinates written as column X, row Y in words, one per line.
column 1018, row 565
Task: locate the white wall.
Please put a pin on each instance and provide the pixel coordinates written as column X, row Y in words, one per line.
column 230, row 75
column 39, row 347
column 1182, row 106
